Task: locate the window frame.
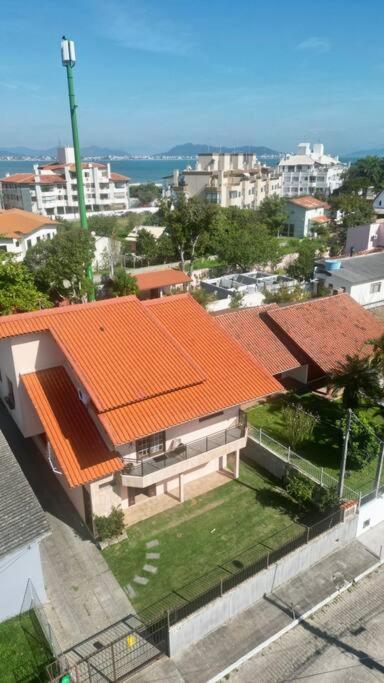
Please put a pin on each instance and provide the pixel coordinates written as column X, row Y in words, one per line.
column 150, row 446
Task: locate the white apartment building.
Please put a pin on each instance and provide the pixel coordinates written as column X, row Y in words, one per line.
column 226, row 179
column 310, row 171
column 51, row 190
column 20, row 230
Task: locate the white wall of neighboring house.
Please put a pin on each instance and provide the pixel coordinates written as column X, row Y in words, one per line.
column 15, row 570
column 378, row 203
column 20, row 246
column 299, row 219
column 364, row 237
column 369, row 293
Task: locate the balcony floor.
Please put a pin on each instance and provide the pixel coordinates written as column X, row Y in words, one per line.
column 165, row 501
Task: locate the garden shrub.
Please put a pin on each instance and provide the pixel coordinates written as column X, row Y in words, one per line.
column 110, row 525
column 326, row 499
column 298, row 424
column 299, row 487
column 363, row 446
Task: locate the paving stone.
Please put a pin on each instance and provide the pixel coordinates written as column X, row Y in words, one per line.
column 150, row 568
column 140, row 579
column 152, row 556
column 152, row 544
column 130, row 591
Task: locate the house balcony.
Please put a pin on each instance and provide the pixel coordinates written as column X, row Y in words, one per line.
column 143, row 473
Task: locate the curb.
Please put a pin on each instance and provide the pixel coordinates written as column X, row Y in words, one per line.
column 294, row 623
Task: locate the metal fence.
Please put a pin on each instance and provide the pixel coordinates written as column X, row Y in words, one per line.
column 32, row 602
column 196, row 594
column 318, row 474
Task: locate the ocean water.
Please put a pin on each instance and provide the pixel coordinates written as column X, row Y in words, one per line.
column 138, row 170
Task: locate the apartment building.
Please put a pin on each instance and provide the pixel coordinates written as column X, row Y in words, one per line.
column 226, row 179
column 130, row 401
column 20, row 230
column 51, row 190
column 310, row 171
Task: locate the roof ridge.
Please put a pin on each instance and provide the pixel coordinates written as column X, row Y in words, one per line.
column 309, row 301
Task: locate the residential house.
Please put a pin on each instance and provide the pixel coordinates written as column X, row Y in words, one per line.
column 310, row 171
column 305, row 215
column 303, row 343
column 20, row 230
column 129, row 401
column 51, row 190
column 363, row 238
column 22, row 527
column 226, row 179
column 378, row 204
column 360, row 276
column 158, row 283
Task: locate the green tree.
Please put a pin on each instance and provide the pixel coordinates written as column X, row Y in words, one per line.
column 378, row 354
column 165, row 249
column 298, row 424
column 236, row 300
column 358, row 378
column 124, row 283
column 59, row 265
column 354, row 210
column 365, row 173
column 285, row 294
column 146, row 245
column 105, row 226
column 146, row 193
column 18, row 292
column 241, row 241
column 272, row 213
column 304, row 265
column 202, row 296
column 188, row 224
column 363, row 444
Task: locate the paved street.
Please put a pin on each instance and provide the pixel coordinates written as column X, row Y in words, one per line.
column 343, row 642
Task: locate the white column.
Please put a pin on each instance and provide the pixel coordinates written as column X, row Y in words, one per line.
column 181, row 489
column 237, row 465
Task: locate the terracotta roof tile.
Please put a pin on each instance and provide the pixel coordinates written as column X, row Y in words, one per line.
column 155, row 279
column 79, row 449
column 30, row 179
column 16, row 222
column 328, row 329
column 252, row 332
column 309, row 202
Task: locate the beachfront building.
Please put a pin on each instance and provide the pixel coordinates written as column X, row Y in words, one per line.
column 132, row 403
column 20, row 230
column 310, row 171
column 226, row 179
column 51, row 190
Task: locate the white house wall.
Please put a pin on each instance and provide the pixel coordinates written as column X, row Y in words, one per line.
column 15, row 570
column 363, row 295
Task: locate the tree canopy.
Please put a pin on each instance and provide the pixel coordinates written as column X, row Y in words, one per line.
column 365, row 173
column 146, row 245
column 18, row 292
column 124, row 283
column 59, row 265
column 146, row 194
column 241, row 241
column 357, row 378
column 272, row 213
column 304, row 265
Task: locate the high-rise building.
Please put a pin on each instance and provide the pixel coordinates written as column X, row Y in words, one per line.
column 51, row 190
column 310, row 171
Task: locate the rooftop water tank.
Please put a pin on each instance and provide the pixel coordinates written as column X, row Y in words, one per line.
column 331, row 264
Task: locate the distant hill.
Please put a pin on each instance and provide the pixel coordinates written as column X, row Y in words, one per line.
column 190, row 149
column 375, row 152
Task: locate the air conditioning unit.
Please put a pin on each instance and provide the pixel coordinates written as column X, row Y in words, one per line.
column 83, row 396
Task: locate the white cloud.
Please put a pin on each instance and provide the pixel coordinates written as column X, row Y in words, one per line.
column 141, row 28
column 314, row 44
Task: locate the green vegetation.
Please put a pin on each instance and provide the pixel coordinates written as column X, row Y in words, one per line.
column 197, row 536
column 324, row 447
column 24, row 652
column 110, row 526
column 363, row 174
column 124, row 283
column 310, row 494
column 359, row 379
column 146, row 193
column 299, row 424
column 272, row 213
column 285, row 294
column 304, row 265
column 18, row 292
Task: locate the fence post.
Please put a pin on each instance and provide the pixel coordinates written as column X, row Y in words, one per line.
column 289, row 454
column 307, row 534
column 260, row 436
column 359, row 503
column 113, row 663
column 321, row 476
column 267, row 559
column 221, row 588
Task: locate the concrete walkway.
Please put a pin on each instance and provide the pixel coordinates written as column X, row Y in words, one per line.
column 84, row 597
column 209, row 657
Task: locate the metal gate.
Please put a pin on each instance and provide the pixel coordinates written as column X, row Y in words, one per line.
column 108, row 662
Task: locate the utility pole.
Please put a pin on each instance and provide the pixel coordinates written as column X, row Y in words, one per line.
column 379, row 469
column 68, row 58
column 344, row 454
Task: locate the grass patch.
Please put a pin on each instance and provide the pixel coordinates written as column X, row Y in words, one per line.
column 324, row 448
column 199, row 536
column 24, row 653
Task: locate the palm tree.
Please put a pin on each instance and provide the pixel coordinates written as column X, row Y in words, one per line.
column 358, row 378
column 378, row 353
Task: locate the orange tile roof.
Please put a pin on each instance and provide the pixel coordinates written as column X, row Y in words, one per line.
column 320, row 219
column 155, row 279
column 120, row 353
column 251, row 331
column 233, row 377
column 18, row 178
column 118, row 176
column 30, row 179
column 77, row 444
column 328, row 329
column 16, row 222
column 309, row 202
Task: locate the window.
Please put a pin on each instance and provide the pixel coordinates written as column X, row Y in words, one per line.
column 150, row 445
column 38, row 238
column 29, row 244
column 3, row 247
column 375, row 287
column 10, row 398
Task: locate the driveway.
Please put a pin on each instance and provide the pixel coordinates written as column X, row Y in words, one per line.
column 84, row 597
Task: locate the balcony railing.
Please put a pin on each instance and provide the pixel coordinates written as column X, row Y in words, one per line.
column 141, row 468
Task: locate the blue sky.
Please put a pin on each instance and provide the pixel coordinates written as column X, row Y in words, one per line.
column 152, row 74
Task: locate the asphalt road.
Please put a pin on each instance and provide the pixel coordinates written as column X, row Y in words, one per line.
column 342, row 642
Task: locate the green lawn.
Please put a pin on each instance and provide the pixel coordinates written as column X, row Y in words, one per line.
column 324, row 448
column 202, row 533
column 23, row 655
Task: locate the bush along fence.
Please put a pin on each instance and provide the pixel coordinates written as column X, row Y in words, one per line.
column 317, row 474
column 196, row 594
